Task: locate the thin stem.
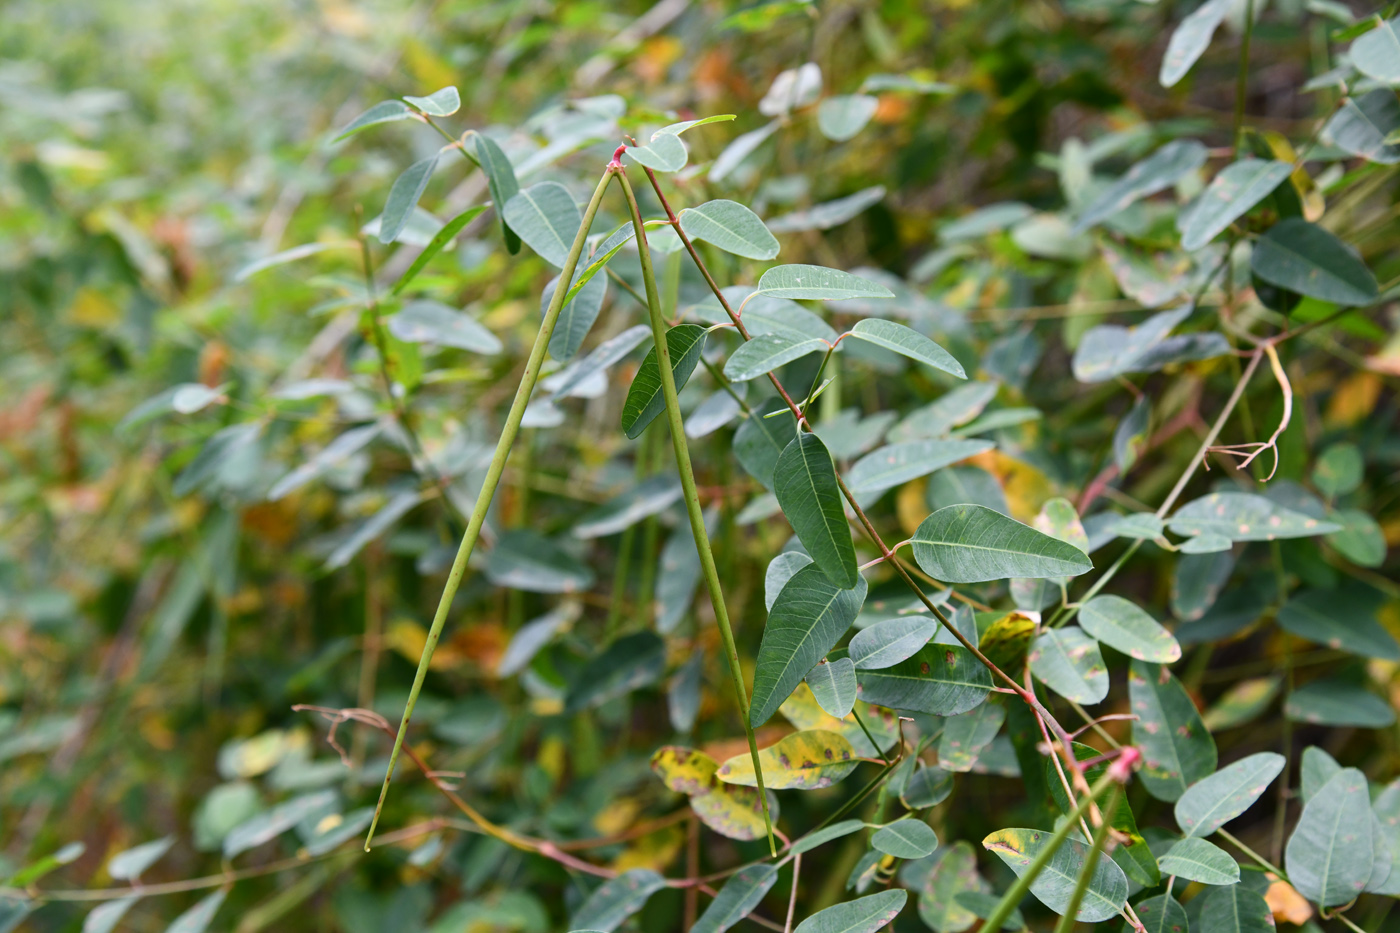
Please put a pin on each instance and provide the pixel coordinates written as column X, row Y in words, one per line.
column 692, row 497
column 868, row 737
column 1242, row 79
column 792, row 899
column 488, row 487
column 1091, row 863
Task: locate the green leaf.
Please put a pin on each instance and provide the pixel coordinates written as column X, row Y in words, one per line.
column 630, row 663
column 896, row 464
column 336, row 833
column 1229, row 196
column 907, row 838
column 828, row 214
column 972, row 544
column 1070, row 663
column 1054, row 886
column 613, row 901
column 272, row 823
column 1130, row 436
column 953, row 408
column 435, row 246
column 739, row 149
column 1330, row 854
column 1318, row 768
column 907, row 342
column 1361, row 539
column 984, row 904
column 130, row 863
column 1340, row 619
column 1156, row 173
column 1377, row 53
column 403, row 197
column 734, row 812
column 953, row 874
column 966, row 734
column 524, row 559
column 198, row 917
column 1208, row 543
column 101, row 919
column 1229, row 909
column 840, row 118
column 1386, row 810
column 1212, row 802
column 1136, row 857
column 765, row 353
column 1109, row 350
column 1307, row 259
column 804, row 480
column 427, row 321
column 821, row 836
column 886, row 643
column 806, row 760
column 862, row 915
column 737, row 899
column 1144, row 526
column 761, row 440
column 645, row 399
column 1337, row 702
column 387, row 111
column 546, row 218
column 1363, row 127
column 1340, row 469
column 1190, row 40
column 1197, row 860
column 1162, row 914
column 833, row 683
column 779, row 572
column 818, row 283
column 664, row 153
column 927, row 787
column 500, row 178
column 803, row 712
column 443, row 103
column 809, row 616
column 582, row 302
column 1176, row 748
column 651, row 496
column 1242, row 516
column 603, row 356
column 943, row 680
column 732, row 227
column 1121, row 624
column 1243, row 703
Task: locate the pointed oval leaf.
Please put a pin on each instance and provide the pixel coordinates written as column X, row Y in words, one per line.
column 896, row 464
column 973, row 544
column 840, row 118
column 953, row 874
column 1070, row 663
column 582, row 303
column 803, row 712
column 835, row 831
column 500, row 178
column 526, row 560
column 1212, row 802
column 1163, row 914
column 442, row 103
column 1376, row 54
column 927, row 787
column 436, row 244
column 737, row 899
column 645, row 398
column 943, row 680
column 780, row 571
column 1190, row 40
column 804, row 760
column 907, row 838
column 862, row 915
column 1338, row 702
column 1304, row 258
column 804, row 481
column 1209, row 543
column 104, row 917
column 818, row 283
column 1242, row 516
column 613, row 901
column 809, row 616
column 651, row 496
column 833, row 683
column 1364, row 126
column 1231, row 908
column 765, row 353
column 630, row 663
column 907, row 342
column 828, row 214
column 1229, row 196
column 270, row 824
column 403, row 197
column 1330, row 854
column 966, row 734
column 545, row 217
column 1339, row 619
column 1122, row 624
column 739, row 149
column 886, row 643
column 664, row 153
column 684, row 770
column 761, row 439
column 198, row 917
column 1156, row 173
column 1054, row 886
column 732, row 227
column 434, row 322
column 1197, row 860
column 1177, row 750
column 1361, row 540
column 387, row 111
column 734, row 811
column 129, row 864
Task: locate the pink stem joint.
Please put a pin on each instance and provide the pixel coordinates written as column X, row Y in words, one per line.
column 617, row 157
column 1122, row 767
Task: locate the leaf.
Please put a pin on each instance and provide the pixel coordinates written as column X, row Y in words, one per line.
column 791, row 89
column 534, row 635
column 840, row 118
column 526, row 560
column 130, row 863
column 1307, row 259
column 198, row 917
column 943, row 680
column 1054, row 886
column 1070, row 663
column 1197, row 860
column 818, row 283
column 442, row 103
column 386, row 111
column 907, row 342
column 1361, row 539
column 1336, row 702
column 734, row 811
column 739, row 149
column 1230, row 195
column 1163, row 914
column 435, row 246
column 886, row 643
column 809, row 616
column 335, row 830
column 500, row 178
column 645, row 398
column 1212, row 802
column 272, row 823
column 651, row 496
column 1242, row 516
column 1190, row 40
column 955, row 407
column 828, row 214
column 607, row 353
column 833, row 683
column 1130, row 436
column 1229, row 909
column 1156, row 173
column 972, row 544
column 730, row 226
column 1318, row 768
column 403, row 197
column 907, row 838
column 431, row 322
column 804, row 481
column 966, row 734
column 927, row 787
column 803, row 712
column 1205, row 544
column 896, row 464
column 613, row 901
column 1377, row 53
column 1108, row 350
column 1363, row 127
column 104, row 917
column 955, row 873
column 582, row 303
column 684, row 770
column 1330, row 854
column 1136, row 857
column 779, row 572
column 630, row 663
column 765, row 353
column 761, row 440
column 737, row 899
column 1339, row 619
column 1121, row 624
column 1242, row 703
column 1176, row 748
column 862, row 915
column 546, row 218
column 664, row 153
column 1340, row 469
column 289, row 255
column 806, row 760
column 765, row 315
column 821, row 836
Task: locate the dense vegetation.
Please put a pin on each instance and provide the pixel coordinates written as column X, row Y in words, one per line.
column 827, row 466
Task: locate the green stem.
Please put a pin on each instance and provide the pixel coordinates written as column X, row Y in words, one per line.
column 1091, row 862
column 1017, row 891
column 488, row 487
column 692, row 497
column 1242, row 80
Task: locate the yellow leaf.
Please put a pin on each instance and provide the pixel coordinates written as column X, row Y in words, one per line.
column 1286, row 903
column 617, row 816
column 734, row 811
column 684, row 770
column 1354, row 398
column 1006, row 640
column 91, row 308
column 655, row 850
column 802, row 710
column 804, row 760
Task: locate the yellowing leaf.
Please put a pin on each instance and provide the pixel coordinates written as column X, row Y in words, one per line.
column 804, row 760
column 684, row 770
